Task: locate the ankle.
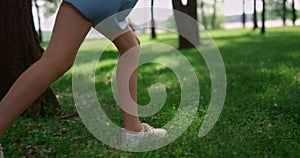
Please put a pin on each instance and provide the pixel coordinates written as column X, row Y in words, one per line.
column 134, row 129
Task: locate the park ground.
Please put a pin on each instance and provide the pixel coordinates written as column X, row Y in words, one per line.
column 260, row 118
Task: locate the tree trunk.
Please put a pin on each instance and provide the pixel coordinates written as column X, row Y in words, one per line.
column 203, row 15
column 284, row 12
column 244, row 15
column 294, row 15
column 255, row 26
column 185, row 26
column 263, row 30
column 214, row 16
column 153, row 32
column 19, row 49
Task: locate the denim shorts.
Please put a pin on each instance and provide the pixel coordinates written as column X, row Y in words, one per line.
column 110, row 14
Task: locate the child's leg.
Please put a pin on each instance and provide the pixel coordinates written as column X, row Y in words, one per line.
column 69, row 31
column 124, row 42
column 129, row 48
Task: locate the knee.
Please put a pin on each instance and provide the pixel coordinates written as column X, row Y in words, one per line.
column 137, row 41
column 132, row 50
column 136, row 44
column 59, row 64
column 127, row 41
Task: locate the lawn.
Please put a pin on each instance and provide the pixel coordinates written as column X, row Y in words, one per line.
column 260, row 118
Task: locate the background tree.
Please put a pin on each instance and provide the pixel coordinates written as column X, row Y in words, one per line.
column 203, row 16
column 284, row 12
column 294, row 15
column 184, row 24
column 244, row 15
column 255, row 26
column 39, row 19
column 214, row 15
column 263, row 30
column 153, row 32
column 19, row 49
column 50, row 7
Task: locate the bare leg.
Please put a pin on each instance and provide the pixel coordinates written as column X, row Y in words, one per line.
column 124, row 42
column 69, row 31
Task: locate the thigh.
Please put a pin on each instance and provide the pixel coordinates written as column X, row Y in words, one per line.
column 123, row 40
column 68, row 33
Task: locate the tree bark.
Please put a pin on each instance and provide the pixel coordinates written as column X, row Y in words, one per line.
column 185, row 26
column 255, row 26
column 19, row 49
column 153, row 32
column 263, row 30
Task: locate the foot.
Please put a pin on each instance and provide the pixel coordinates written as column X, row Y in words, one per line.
column 132, row 139
column 1, row 152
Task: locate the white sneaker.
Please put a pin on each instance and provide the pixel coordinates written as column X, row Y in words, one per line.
column 132, row 139
column 1, row 152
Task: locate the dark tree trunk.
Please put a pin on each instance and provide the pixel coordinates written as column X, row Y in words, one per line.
column 185, row 26
column 244, row 15
column 204, row 21
column 284, row 12
column 19, row 49
column 294, row 15
column 263, row 30
column 153, row 32
column 255, row 26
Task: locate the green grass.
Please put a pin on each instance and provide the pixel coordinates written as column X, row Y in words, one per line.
column 261, row 115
